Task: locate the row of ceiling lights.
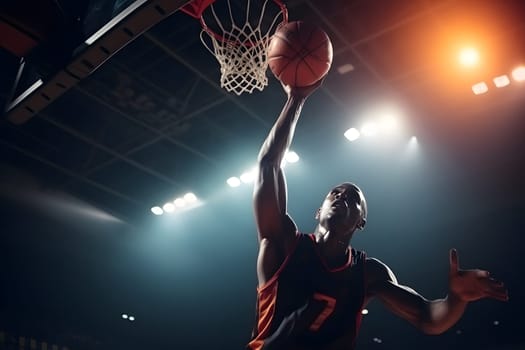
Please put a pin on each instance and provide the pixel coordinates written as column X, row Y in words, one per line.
column 190, row 200
column 248, row 176
column 500, row 81
column 388, row 125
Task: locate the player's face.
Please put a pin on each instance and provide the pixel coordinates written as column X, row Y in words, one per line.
column 343, row 208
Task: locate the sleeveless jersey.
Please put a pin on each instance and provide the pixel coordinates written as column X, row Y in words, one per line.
column 307, row 306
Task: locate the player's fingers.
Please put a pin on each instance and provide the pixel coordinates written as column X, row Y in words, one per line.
column 482, row 273
column 454, row 261
column 495, row 282
column 501, row 296
column 496, row 289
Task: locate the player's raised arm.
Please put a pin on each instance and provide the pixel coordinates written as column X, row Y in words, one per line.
column 432, row 316
column 270, row 186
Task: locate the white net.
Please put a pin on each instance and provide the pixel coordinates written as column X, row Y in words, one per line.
column 240, row 44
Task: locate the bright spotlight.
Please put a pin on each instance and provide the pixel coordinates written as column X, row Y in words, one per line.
column 518, row 74
column 480, row 88
column 389, row 123
column 364, row 311
column 369, row 129
column 501, row 81
column 412, row 147
column 157, row 210
column 291, row 157
column 352, row 134
column 125, row 316
column 468, row 57
column 131, row 318
column 168, row 207
column 179, row 202
column 247, row 177
column 233, row 181
column 190, row 197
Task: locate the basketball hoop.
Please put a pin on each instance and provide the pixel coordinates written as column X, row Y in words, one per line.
column 238, row 34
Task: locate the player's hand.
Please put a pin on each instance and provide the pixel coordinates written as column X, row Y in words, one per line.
column 302, row 92
column 470, row 285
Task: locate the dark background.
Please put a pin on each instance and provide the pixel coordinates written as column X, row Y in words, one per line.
column 79, row 246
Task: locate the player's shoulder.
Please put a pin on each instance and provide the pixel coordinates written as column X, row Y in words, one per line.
column 376, row 270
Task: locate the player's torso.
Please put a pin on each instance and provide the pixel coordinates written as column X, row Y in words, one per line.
column 314, row 307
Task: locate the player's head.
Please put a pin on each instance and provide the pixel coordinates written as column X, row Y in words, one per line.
column 344, row 209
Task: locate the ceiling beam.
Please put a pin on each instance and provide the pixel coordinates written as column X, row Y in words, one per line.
column 108, row 150
column 160, row 133
column 130, row 152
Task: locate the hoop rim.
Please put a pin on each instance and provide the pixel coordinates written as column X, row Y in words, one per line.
column 196, row 9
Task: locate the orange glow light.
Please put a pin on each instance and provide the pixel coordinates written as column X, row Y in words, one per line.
column 468, row 57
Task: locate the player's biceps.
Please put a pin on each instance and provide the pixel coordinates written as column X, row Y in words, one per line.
column 267, row 214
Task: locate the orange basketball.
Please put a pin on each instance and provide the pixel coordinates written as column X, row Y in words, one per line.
column 300, row 54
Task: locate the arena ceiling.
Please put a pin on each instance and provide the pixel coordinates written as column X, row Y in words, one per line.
column 152, row 123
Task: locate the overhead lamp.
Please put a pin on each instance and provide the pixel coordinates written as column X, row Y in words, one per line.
column 501, row 81
column 352, row 134
column 233, row 181
column 157, row 210
column 480, row 88
column 518, row 73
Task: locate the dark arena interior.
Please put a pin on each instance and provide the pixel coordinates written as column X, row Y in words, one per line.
column 127, row 170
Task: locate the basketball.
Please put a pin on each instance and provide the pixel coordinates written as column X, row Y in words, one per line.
column 300, row 54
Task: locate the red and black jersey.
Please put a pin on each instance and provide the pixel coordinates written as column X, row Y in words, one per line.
column 307, row 306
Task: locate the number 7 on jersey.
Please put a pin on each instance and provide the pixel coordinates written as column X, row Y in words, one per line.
column 325, row 313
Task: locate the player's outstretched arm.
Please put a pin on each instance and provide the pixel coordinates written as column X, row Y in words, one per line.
column 270, row 185
column 432, row 316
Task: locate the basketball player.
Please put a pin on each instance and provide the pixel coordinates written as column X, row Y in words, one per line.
column 312, row 287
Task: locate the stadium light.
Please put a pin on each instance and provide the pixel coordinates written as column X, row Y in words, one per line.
column 168, row 207
column 190, row 197
column 518, row 73
column 389, row 123
column 157, row 210
column 291, row 157
column 179, row 202
column 480, row 88
column 247, row 176
column 468, row 57
column 501, row 81
column 352, row 134
column 369, row 129
column 233, row 181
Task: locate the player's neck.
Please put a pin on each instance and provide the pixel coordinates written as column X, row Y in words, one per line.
column 332, row 247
